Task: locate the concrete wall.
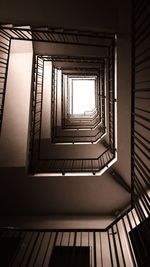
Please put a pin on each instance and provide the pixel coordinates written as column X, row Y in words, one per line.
column 123, row 163
column 14, row 135
column 46, row 107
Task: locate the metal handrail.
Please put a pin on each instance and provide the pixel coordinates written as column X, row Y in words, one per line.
column 74, row 165
column 51, row 36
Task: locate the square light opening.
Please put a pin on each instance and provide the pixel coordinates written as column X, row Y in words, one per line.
column 82, row 96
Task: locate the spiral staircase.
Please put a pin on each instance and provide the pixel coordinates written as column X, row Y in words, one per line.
column 75, row 185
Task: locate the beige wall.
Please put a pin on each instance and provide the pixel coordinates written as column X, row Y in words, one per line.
column 46, row 107
column 14, row 135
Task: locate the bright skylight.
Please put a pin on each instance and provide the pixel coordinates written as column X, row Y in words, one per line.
column 83, row 95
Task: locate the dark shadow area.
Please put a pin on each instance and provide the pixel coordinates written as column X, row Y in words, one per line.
column 70, row 256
